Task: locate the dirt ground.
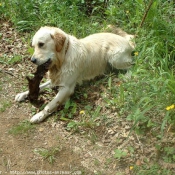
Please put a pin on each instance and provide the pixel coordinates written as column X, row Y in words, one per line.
column 78, row 152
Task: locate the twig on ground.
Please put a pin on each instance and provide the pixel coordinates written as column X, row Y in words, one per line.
column 4, row 71
column 140, row 144
column 169, row 128
column 124, row 143
column 146, row 13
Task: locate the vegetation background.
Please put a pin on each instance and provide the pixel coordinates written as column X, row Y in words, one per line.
column 147, row 98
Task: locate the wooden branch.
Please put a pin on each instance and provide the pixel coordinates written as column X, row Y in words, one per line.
column 33, row 83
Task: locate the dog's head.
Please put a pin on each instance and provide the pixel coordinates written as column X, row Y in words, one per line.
column 48, row 42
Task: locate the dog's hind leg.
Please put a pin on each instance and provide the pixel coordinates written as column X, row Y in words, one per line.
column 121, row 61
column 22, row 96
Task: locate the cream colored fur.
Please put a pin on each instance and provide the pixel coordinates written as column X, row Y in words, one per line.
column 75, row 60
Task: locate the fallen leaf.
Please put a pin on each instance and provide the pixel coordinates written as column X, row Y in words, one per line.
column 41, row 129
column 138, row 162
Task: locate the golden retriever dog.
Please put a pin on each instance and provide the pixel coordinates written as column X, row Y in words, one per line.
column 74, row 60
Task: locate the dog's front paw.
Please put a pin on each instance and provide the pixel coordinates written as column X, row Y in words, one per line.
column 21, row 96
column 39, row 117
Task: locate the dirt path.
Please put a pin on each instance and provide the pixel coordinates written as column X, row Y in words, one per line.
column 18, row 152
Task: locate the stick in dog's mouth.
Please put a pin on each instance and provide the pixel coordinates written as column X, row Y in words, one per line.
column 33, row 83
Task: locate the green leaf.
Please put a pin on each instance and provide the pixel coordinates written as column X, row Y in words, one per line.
column 72, row 124
column 119, row 153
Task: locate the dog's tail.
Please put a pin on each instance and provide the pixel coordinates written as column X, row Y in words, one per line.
column 119, row 31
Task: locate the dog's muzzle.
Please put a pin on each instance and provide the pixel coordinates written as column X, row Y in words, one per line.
column 35, row 61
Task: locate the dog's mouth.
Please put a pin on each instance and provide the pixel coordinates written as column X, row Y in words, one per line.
column 46, row 64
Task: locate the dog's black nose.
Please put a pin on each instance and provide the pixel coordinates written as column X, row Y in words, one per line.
column 33, row 60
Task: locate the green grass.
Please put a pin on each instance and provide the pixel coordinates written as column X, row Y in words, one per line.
column 4, row 105
column 22, row 128
column 142, row 99
column 48, row 154
column 152, row 170
column 11, row 61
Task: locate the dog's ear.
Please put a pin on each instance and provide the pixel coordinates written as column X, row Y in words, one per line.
column 59, row 40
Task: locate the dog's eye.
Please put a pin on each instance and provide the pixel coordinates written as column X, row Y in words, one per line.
column 40, row 44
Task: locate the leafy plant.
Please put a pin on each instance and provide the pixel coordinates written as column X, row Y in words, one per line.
column 69, row 110
column 119, row 154
column 48, row 154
